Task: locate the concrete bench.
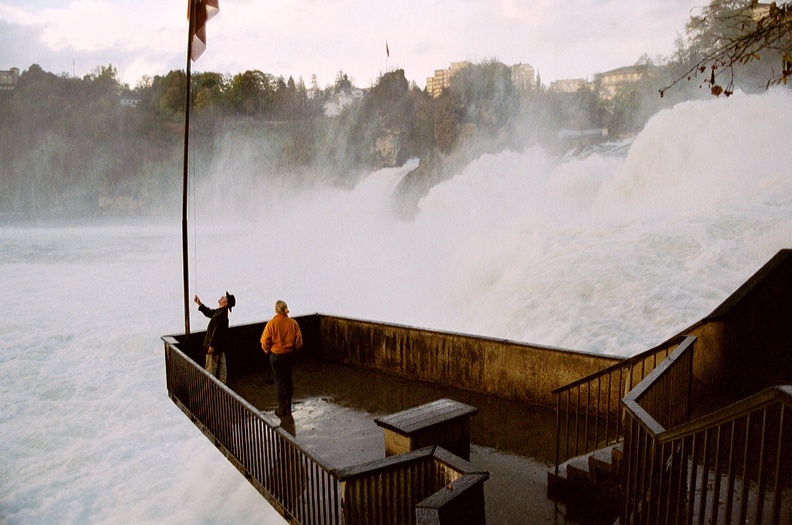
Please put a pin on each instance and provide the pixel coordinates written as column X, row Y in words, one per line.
column 444, row 422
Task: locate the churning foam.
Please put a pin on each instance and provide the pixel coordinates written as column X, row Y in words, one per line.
column 597, row 253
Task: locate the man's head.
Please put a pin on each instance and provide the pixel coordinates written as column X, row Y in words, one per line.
column 227, row 301
column 281, row 308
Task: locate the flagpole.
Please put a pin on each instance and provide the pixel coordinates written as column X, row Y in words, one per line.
column 185, row 252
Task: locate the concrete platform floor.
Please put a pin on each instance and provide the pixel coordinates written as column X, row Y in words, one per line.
column 334, row 411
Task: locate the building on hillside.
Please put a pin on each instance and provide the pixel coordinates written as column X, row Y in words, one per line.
column 342, row 99
column 610, row 81
column 9, row 79
column 567, row 85
column 442, row 78
column 523, row 77
column 130, row 102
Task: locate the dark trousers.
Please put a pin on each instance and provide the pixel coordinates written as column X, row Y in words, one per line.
column 282, row 373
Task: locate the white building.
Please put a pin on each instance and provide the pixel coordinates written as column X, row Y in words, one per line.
column 610, row 81
column 336, row 104
column 523, row 77
column 567, row 85
column 9, row 79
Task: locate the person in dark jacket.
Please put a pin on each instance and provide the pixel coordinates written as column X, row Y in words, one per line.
column 216, row 339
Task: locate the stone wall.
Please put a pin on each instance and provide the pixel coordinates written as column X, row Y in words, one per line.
column 506, row 369
column 501, row 368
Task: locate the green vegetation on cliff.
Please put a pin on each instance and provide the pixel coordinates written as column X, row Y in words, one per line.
column 94, row 145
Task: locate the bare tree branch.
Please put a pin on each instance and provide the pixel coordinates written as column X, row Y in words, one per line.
column 739, row 36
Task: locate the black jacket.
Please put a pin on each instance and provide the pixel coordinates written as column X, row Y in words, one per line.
column 217, row 331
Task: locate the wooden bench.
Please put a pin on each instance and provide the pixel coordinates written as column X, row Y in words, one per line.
column 444, row 422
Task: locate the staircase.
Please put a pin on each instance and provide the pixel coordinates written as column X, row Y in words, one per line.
column 589, row 485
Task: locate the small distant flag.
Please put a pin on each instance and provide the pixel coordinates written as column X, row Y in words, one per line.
column 204, row 10
column 387, row 51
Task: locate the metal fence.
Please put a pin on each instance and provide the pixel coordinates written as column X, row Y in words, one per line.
column 589, row 413
column 299, row 485
column 386, row 491
column 727, row 467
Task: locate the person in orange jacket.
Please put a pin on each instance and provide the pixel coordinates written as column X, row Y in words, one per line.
column 280, row 339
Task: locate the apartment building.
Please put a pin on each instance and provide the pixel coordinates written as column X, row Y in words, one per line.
column 442, row 78
column 567, row 85
column 9, row 79
column 523, row 77
column 609, row 81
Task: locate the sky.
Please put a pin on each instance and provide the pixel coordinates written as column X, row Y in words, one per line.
column 302, row 38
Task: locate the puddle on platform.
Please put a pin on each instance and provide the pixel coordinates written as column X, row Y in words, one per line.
column 333, row 418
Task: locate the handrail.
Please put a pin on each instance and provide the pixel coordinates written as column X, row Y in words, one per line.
column 298, row 484
column 244, row 402
column 759, row 401
column 593, row 411
column 728, row 464
column 630, row 361
column 684, row 352
column 295, row 482
column 369, row 495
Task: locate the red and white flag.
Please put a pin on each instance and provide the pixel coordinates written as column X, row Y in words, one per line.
column 204, row 10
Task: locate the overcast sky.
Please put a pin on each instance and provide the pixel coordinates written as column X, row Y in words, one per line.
column 561, row 39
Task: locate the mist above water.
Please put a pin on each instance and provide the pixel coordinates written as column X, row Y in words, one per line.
column 599, row 253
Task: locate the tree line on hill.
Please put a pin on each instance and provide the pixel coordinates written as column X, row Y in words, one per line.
column 68, row 145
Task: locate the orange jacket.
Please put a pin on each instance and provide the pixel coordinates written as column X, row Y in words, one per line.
column 281, row 335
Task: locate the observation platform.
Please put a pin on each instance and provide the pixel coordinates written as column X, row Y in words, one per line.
column 329, row 464
column 334, row 417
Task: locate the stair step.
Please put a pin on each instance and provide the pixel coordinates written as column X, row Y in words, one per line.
column 617, row 455
column 588, row 486
column 599, row 468
column 577, row 470
column 601, row 465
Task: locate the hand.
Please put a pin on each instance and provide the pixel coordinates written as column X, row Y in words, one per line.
column 197, row 301
column 210, row 350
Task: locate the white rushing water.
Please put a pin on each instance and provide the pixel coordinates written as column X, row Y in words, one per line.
column 604, row 254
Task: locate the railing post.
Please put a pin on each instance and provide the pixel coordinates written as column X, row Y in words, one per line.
column 558, row 430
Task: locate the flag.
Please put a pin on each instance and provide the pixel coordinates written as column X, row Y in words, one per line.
column 204, row 10
column 387, row 51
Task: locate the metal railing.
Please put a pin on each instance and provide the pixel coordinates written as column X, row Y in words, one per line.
column 387, row 491
column 589, row 413
column 731, row 466
column 299, row 485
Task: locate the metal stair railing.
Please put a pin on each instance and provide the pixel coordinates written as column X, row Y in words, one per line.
column 730, row 465
column 589, row 412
